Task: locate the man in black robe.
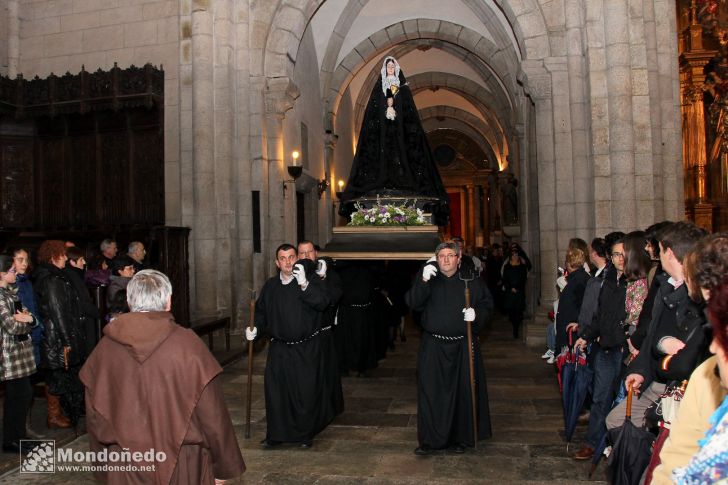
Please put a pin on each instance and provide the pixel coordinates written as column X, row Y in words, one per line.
column 289, row 311
column 332, row 398
column 444, row 410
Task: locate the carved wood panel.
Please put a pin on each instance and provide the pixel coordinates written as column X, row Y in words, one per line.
column 16, row 184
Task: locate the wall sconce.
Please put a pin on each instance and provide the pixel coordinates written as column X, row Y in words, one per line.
column 340, row 183
column 294, row 171
column 322, row 186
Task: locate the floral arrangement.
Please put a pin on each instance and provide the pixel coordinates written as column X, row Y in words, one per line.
column 387, row 215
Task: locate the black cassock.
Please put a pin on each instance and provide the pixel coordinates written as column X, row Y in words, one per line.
column 444, row 411
column 332, row 400
column 293, row 373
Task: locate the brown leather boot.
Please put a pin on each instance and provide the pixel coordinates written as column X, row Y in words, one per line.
column 56, row 419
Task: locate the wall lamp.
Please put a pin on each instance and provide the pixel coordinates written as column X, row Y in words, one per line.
column 294, row 171
column 339, row 192
column 322, row 186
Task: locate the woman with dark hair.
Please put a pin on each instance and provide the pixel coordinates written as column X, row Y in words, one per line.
column 16, row 359
column 63, row 345
column 26, row 294
column 636, row 267
column 515, row 274
column 652, row 247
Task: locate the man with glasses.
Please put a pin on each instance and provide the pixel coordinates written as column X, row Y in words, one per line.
column 606, row 328
column 444, row 410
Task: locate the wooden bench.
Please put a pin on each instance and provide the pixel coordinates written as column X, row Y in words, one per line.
column 205, row 326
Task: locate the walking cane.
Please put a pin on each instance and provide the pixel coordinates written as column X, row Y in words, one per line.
column 251, row 326
column 471, row 350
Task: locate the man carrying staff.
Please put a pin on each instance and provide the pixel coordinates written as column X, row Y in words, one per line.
column 289, row 311
column 444, row 411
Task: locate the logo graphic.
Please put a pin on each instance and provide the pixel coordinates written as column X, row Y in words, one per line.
column 41, row 457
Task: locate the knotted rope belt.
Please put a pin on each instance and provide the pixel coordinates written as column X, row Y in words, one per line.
column 273, row 339
column 362, row 305
column 447, row 337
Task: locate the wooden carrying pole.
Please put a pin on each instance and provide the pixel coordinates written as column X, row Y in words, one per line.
column 471, row 352
column 251, row 326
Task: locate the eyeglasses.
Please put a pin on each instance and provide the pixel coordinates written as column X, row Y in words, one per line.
column 618, row 255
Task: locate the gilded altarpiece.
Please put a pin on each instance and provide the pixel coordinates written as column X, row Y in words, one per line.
column 703, row 46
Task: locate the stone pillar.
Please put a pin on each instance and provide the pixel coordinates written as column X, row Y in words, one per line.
column 330, row 140
column 470, row 237
column 583, row 172
column 279, row 97
column 621, row 132
column 204, row 227
column 13, row 38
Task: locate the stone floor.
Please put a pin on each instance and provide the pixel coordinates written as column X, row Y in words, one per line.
column 373, row 440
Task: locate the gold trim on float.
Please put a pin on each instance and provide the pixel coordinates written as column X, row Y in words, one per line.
column 377, row 255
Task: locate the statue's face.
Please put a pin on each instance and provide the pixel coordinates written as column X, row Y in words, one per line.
column 390, row 68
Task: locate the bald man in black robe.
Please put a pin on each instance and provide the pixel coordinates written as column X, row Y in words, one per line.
column 444, row 410
column 289, row 311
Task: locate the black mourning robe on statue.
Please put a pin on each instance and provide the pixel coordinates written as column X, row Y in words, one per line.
column 444, row 411
column 293, row 374
column 393, row 157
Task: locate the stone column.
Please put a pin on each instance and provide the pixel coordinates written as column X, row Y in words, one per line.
column 621, row 132
column 329, row 218
column 13, row 38
column 279, row 97
column 578, row 108
column 470, row 237
column 204, row 227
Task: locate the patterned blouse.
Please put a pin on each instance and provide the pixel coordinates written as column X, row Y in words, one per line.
column 636, row 294
column 17, row 355
column 710, row 464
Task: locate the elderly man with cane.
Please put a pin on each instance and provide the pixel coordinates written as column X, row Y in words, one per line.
column 448, row 384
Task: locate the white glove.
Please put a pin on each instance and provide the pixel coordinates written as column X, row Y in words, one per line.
column 469, row 314
column 432, row 259
column 321, row 270
column 561, row 283
column 300, row 274
column 250, row 334
column 428, row 272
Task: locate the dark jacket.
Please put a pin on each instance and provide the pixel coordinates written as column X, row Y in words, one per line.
column 674, row 315
column 514, row 277
column 89, row 311
column 607, row 325
column 59, row 309
column 570, row 304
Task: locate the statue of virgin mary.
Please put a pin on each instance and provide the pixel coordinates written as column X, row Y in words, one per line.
column 393, row 158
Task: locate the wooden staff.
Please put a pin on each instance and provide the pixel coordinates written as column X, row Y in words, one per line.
column 471, row 352
column 251, row 326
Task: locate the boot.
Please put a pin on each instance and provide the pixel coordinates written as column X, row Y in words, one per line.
column 56, row 419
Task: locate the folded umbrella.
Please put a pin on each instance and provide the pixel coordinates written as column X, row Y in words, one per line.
column 576, row 379
column 631, row 450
